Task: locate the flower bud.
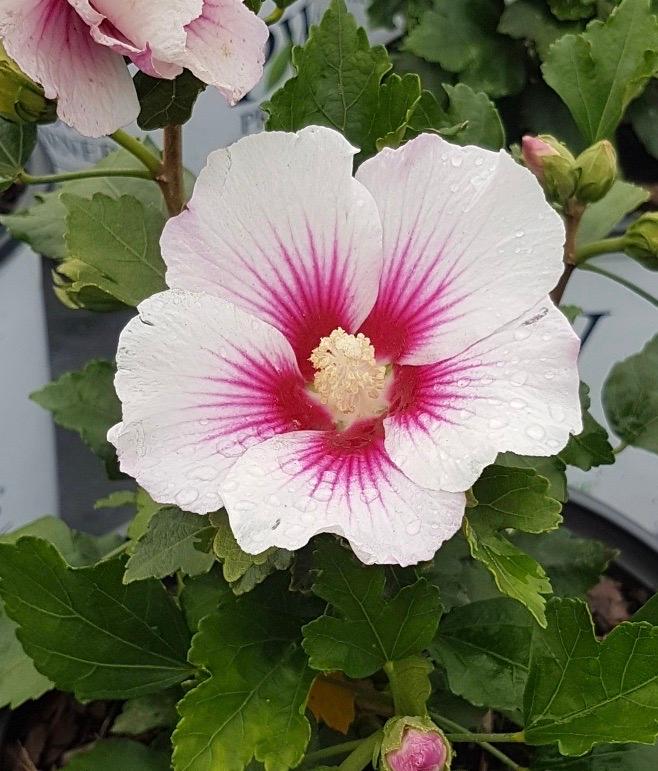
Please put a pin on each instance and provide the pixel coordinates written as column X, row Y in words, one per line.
column 641, row 240
column 553, row 165
column 596, row 168
column 414, row 744
column 21, row 99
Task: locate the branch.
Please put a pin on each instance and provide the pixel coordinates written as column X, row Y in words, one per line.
column 170, row 177
column 573, row 214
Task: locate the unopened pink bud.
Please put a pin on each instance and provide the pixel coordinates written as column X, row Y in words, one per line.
column 419, row 751
column 534, row 150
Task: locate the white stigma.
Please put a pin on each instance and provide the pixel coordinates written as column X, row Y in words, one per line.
column 347, row 378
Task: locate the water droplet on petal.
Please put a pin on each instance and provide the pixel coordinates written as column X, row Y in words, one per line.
column 522, row 333
column 557, row 413
column 456, row 160
column 535, row 431
column 413, row 527
column 519, row 378
column 462, row 383
column 497, row 423
column 187, row 496
column 517, row 404
column 204, row 473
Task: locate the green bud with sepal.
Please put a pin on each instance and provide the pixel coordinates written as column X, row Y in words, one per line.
column 21, row 99
column 553, row 165
column 414, row 743
column 641, row 240
column 596, row 169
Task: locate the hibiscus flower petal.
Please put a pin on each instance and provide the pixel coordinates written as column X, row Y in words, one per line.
column 470, row 243
column 52, row 44
column 516, row 390
column 278, row 226
column 292, row 487
column 200, row 381
column 226, row 47
column 150, row 34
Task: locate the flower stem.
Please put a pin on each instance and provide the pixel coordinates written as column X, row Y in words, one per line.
column 171, row 175
column 362, row 755
column 484, row 740
column 573, row 214
column 137, row 148
column 595, row 248
column 619, row 280
column 51, row 179
column 276, row 14
column 116, row 552
column 331, row 752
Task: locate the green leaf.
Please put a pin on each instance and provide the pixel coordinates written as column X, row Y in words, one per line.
column 86, row 402
column 643, row 114
column 462, row 38
column 17, row 140
column 599, row 72
column 43, row 224
column 166, row 102
column 515, row 497
column 111, row 754
column 365, row 630
column 648, row 612
column 459, row 578
column 485, row 649
column 113, row 245
column 551, row 468
column 201, row 595
column 19, row 680
column 398, row 96
column 147, row 508
column 601, row 217
column 170, row 545
column 630, row 398
column 466, row 117
column 605, row 757
column 244, row 571
column 77, row 549
column 337, row 82
column 582, row 692
column 570, row 10
column 531, row 20
column 146, row 713
column 574, row 565
column 512, row 498
column 591, row 446
column 116, row 500
column 516, row 574
column 252, row 703
column 88, row 632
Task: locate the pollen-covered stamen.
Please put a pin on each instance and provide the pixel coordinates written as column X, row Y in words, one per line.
column 348, row 379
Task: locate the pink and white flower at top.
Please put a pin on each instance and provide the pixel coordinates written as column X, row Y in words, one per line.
column 346, row 354
column 75, row 49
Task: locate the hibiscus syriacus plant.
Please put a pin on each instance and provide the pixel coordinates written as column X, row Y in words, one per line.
column 340, row 413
